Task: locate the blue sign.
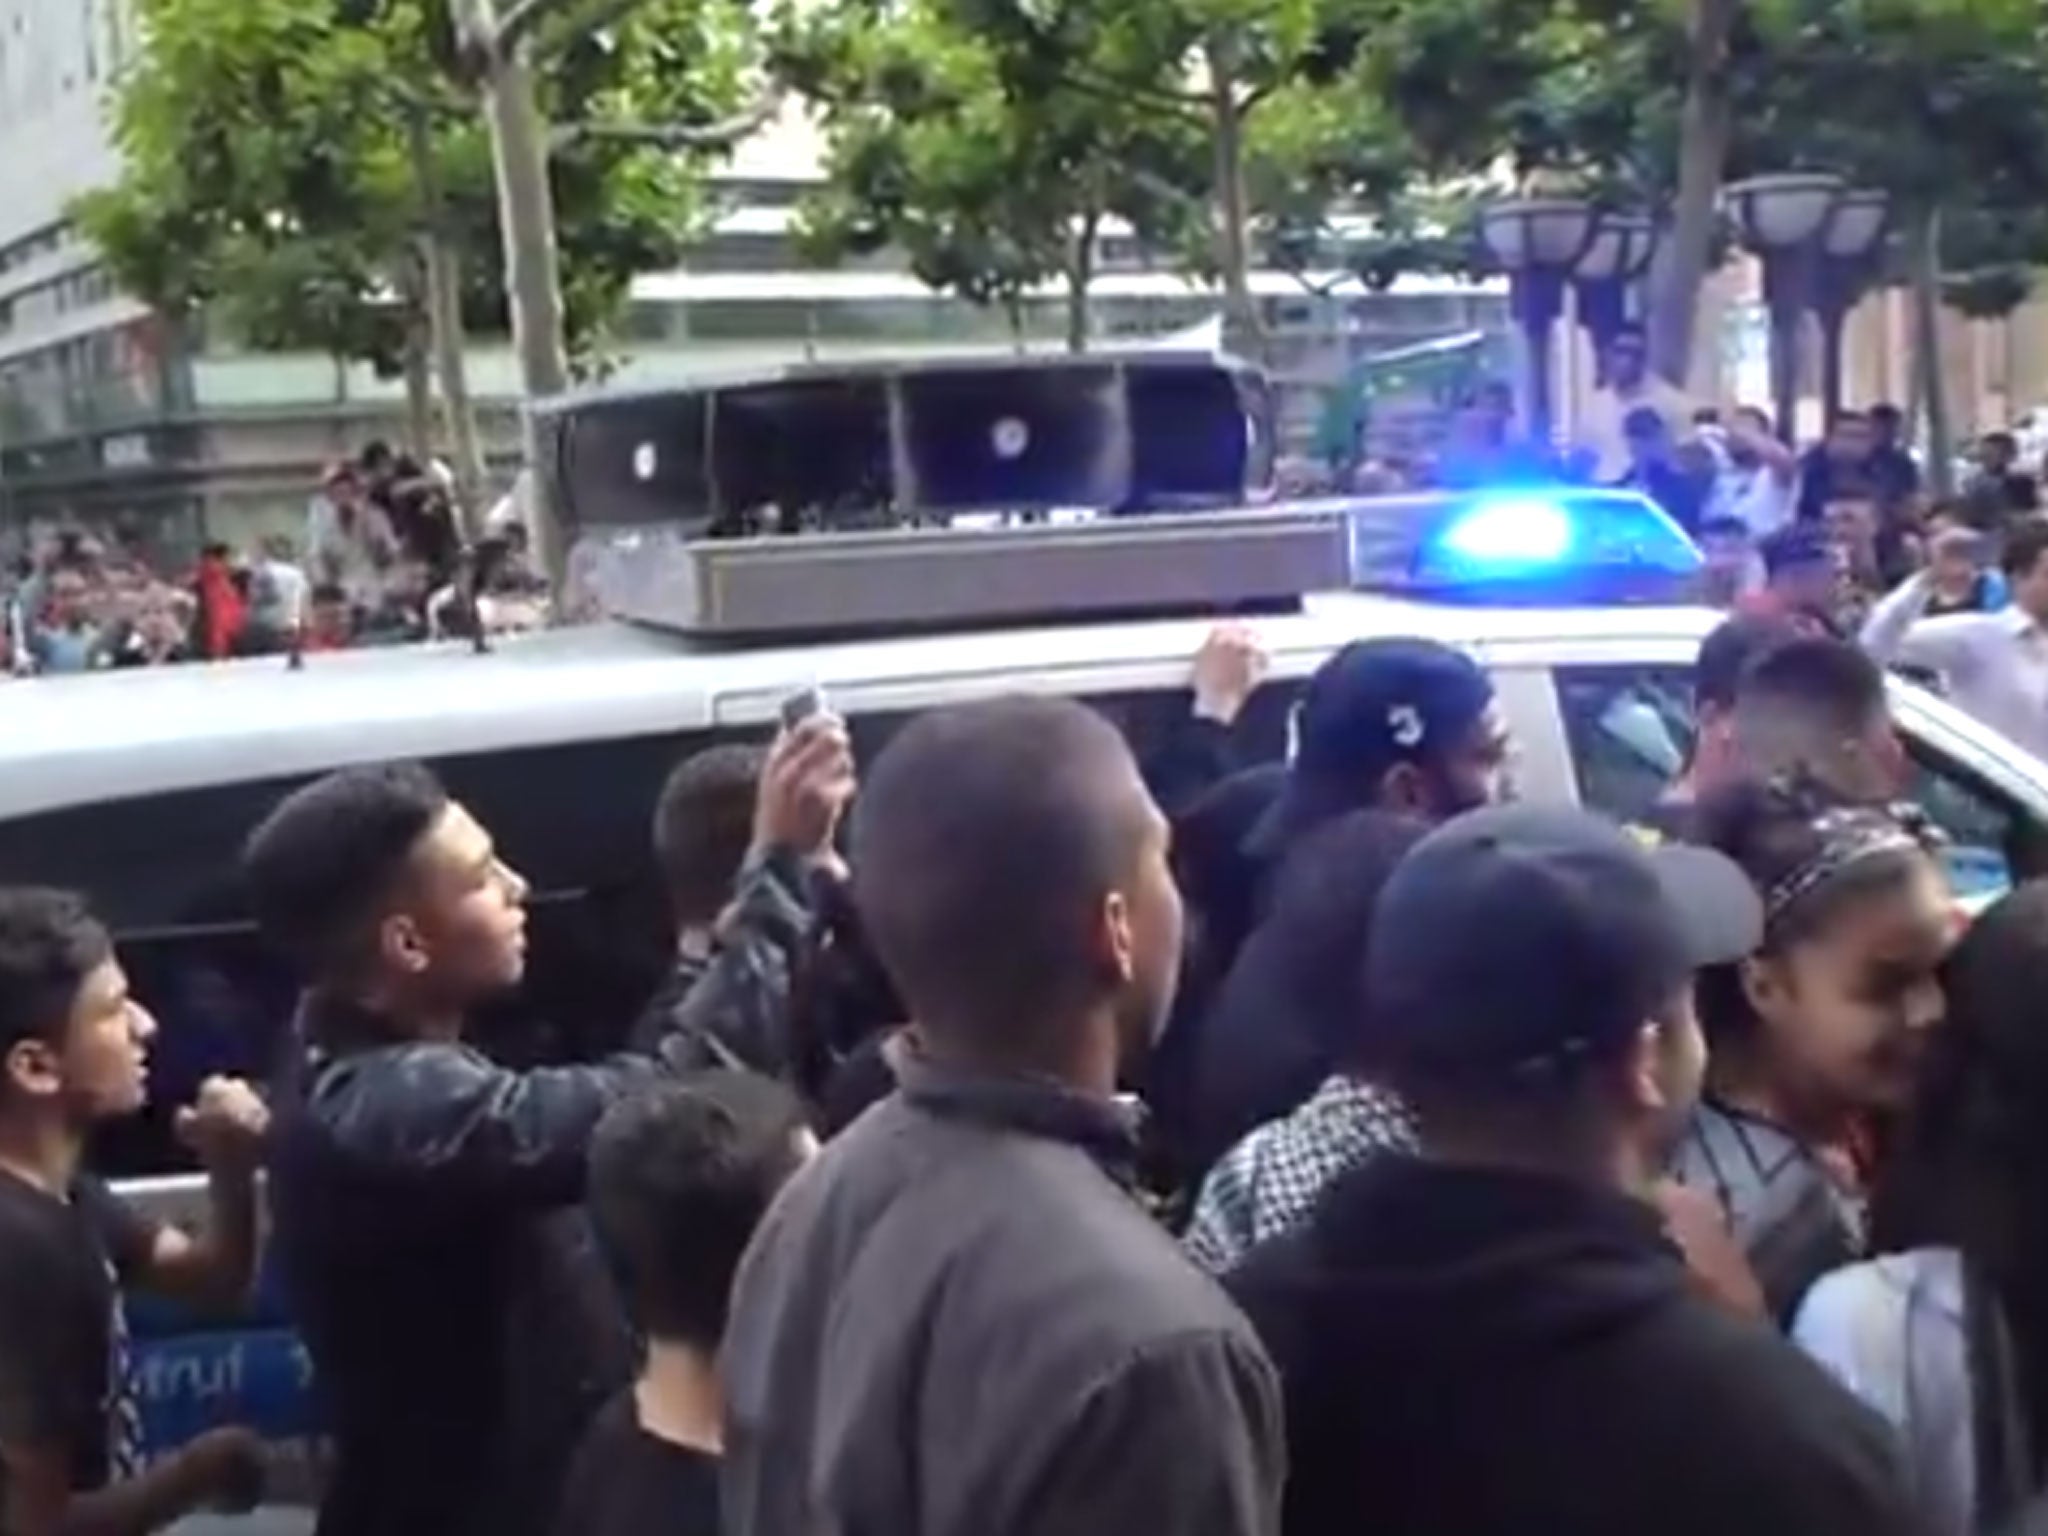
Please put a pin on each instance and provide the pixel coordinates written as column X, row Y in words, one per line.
column 258, row 1377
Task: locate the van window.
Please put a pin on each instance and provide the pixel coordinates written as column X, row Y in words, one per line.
column 575, row 820
column 1992, row 843
column 162, row 871
column 1630, row 729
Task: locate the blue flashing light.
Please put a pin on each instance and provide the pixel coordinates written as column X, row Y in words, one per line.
column 1559, row 538
column 1519, row 531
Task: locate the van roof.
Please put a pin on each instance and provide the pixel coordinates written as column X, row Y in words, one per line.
column 114, row 735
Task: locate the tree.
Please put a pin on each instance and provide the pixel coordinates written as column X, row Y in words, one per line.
column 973, row 155
column 1944, row 105
column 312, row 173
column 496, row 57
column 1155, row 98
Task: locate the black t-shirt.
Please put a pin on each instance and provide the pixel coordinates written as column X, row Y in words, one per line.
column 627, row 1482
column 64, row 1366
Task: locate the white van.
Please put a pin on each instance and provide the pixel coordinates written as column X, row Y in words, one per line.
column 138, row 788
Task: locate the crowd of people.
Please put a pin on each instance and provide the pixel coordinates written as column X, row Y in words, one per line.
column 1850, row 511
column 381, row 562
column 1034, row 1140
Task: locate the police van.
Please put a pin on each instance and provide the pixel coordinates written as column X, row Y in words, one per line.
column 138, row 788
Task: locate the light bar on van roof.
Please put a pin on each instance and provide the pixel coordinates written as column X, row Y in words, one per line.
column 1561, row 547
column 952, row 578
column 1547, row 545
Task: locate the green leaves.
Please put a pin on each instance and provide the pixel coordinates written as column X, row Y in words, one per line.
column 270, row 174
column 983, row 138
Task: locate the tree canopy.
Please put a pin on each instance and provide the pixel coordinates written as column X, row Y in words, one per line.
column 270, row 174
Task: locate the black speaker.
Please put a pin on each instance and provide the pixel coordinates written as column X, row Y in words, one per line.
column 629, row 459
column 848, row 446
column 1020, row 438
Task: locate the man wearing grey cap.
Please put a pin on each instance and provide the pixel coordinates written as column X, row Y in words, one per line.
column 1497, row 1336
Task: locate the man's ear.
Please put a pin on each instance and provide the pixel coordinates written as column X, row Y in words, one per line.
column 32, row 1068
column 401, row 945
column 1764, row 985
column 1404, row 790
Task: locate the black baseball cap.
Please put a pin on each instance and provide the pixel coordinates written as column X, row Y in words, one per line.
column 1518, row 937
column 1373, row 705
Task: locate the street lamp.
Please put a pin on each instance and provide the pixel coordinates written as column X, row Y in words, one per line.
column 1616, row 258
column 1781, row 218
column 1537, row 241
column 1849, row 248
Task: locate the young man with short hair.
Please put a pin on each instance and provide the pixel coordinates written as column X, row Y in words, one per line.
column 1803, row 576
column 958, row 1321
column 73, row 1054
column 1995, row 664
column 424, row 1195
column 680, row 1176
column 1818, row 707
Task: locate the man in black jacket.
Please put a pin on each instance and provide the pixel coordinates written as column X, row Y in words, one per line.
column 1404, row 726
column 1496, row 1337
column 423, row 1195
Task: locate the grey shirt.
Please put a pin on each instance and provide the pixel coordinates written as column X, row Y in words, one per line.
column 1792, row 1219
column 959, row 1322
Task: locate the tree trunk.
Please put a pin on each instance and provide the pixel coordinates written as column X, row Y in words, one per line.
column 442, row 282
column 1233, row 215
column 526, row 221
column 451, row 362
column 1080, row 277
column 1927, row 351
column 1705, row 126
column 420, row 436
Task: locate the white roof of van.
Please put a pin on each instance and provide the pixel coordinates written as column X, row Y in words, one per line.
column 76, row 740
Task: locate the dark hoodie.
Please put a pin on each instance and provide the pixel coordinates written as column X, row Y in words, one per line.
column 1285, row 1015
column 1472, row 1352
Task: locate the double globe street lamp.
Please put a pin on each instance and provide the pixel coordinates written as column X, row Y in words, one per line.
column 1616, row 260
column 1544, row 243
column 1818, row 241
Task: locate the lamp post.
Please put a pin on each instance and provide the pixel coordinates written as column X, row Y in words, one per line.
column 1537, row 241
column 1781, row 218
column 1616, row 258
column 1849, row 247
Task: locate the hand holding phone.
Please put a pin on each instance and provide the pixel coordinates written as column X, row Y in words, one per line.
column 801, row 706
column 807, row 781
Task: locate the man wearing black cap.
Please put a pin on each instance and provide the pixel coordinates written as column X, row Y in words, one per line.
column 1496, row 1336
column 1405, row 726
column 1400, row 725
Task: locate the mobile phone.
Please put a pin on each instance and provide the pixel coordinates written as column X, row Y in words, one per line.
column 801, row 705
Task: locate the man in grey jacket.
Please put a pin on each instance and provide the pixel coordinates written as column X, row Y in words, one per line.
column 959, row 1321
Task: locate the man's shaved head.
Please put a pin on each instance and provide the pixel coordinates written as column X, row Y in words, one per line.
column 989, row 842
column 1817, row 705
